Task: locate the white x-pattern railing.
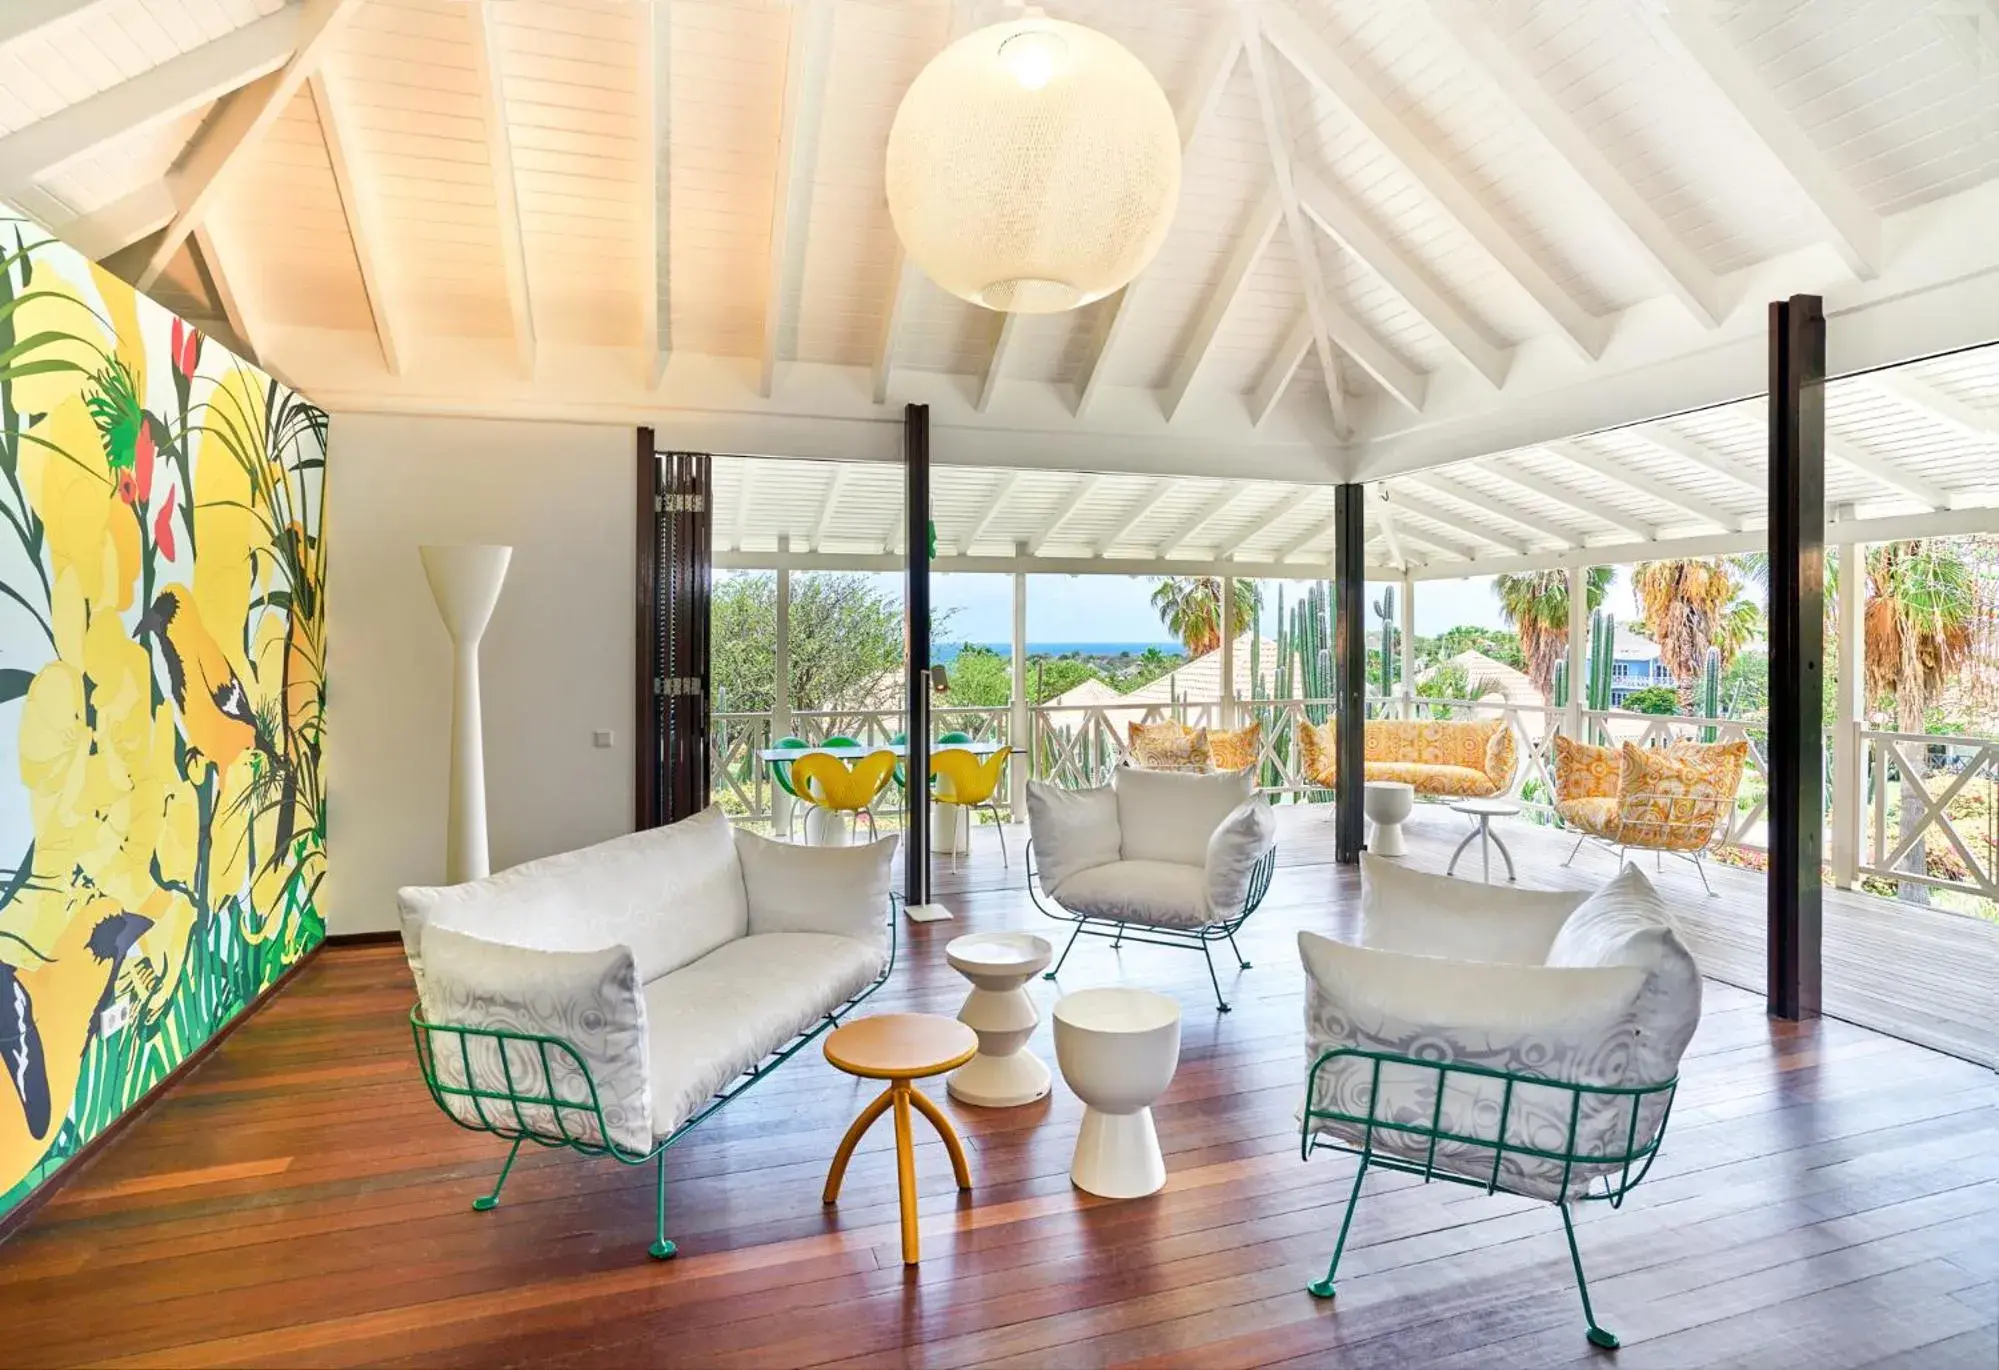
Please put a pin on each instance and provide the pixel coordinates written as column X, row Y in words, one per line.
column 1927, row 774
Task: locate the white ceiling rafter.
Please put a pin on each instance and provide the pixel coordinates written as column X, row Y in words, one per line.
column 20, row 18
column 1577, row 500
column 1679, row 269
column 1264, row 220
column 1700, row 454
column 121, row 223
column 1612, row 469
column 1147, row 502
column 1885, row 472
column 238, row 312
column 237, row 126
column 1211, row 507
column 829, row 504
column 1321, row 526
column 1402, row 275
column 1290, row 355
column 1256, row 523
column 1427, row 537
column 1077, row 497
column 1912, row 391
column 357, row 204
column 655, row 192
column 1547, row 527
column 1320, row 63
column 806, row 47
column 1277, row 141
column 1004, row 341
column 1402, row 497
column 998, row 503
column 481, row 23
column 1689, row 33
column 1383, row 513
column 1192, row 116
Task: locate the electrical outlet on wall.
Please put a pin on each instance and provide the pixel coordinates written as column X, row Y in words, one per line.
column 601, row 738
column 114, row 1018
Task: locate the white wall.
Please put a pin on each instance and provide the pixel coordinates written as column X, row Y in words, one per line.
column 557, row 659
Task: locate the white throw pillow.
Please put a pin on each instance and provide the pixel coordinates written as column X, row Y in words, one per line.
column 671, row 894
column 1577, row 1025
column 841, row 890
column 1169, row 816
column 1435, row 915
column 1072, row 830
column 1626, row 924
column 589, row 999
column 1233, row 851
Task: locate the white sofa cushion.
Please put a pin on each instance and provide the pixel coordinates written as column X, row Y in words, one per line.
column 1626, row 924
column 1577, row 1025
column 841, row 890
column 671, row 894
column 1161, row 894
column 590, row 999
column 711, row 1021
column 1435, row 915
column 1169, row 816
column 1072, row 830
column 1233, row 851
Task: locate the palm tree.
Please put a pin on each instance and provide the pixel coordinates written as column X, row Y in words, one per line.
column 1536, row 603
column 1191, row 609
column 1689, row 606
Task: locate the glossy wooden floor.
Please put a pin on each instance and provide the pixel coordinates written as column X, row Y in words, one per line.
column 1827, row 1197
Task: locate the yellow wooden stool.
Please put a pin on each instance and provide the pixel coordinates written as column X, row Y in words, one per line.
column 899, row 1048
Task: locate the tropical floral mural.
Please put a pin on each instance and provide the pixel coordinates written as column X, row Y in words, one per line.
column 162, row 658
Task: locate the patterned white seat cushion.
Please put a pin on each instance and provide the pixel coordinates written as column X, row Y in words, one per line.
column 1160, row 894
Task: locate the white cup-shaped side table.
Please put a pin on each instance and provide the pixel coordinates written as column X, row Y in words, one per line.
column 1118, row 1049
column 1000, row 965
column 1388, row 804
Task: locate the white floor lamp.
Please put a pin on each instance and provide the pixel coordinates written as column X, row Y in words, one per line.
column 465, row 581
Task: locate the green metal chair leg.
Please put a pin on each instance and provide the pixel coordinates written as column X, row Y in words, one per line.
column 661, row 1249
column 1324, row 1288
column 1598, row 1336
column 488, row 1201
column 1238, row 952
column 1221, row 1004
column 1057, row 968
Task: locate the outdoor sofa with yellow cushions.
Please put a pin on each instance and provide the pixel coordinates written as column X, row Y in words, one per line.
column 1473, row 759
column 1677, row 798
column 1169, row 745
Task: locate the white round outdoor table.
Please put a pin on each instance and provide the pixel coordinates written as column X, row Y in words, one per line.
column 1387, row 804
column 999, row 964
column 1118, row 1049
column 1483, row 811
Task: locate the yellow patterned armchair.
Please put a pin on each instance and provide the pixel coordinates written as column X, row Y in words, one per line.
column 1462, row 760
column 1675, row 799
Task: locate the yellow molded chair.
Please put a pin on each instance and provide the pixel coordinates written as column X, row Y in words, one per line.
column 961, row 778
column 831, row 784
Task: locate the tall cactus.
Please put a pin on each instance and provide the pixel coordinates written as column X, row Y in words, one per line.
column 1711, row 691
column 1603, row 648
column 1385, row 607
column 1561, row 700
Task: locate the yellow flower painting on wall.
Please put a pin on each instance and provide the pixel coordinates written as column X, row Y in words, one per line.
column 162, row 659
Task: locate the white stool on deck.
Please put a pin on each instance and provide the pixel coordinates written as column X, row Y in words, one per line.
column 999, row 965
column 1388, row 804
column 1118, row 1049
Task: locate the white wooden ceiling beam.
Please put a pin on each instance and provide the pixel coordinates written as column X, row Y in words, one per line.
column 1512, row 513
column 1400, row 496
column 829, row 504
column 1611, row 469
column 1424, row 537
column 1688, row 32
column 21, row 18
column 1382, row 512
column 1258, row 523
column 1191, row 114
column 1075, row 499
column 656, row 193
column 1882, row 471
column 242, row 319
column 996, row 364
column 357, row 205
column 1271, row 385
column 1703, row 456
column 806, row 48
column 1211, row 507
column 1402, row 275
column 1563, row 494
column 506, row 194
column 1311, row 281
column 996, row 504
column 1917, row 394
column 119, row 224
column 1261, row 227
column 1679, row 269
column 175, row 87
column 237, row 127
column 1147, row 502
column 1319, row 528
column 1322, row 65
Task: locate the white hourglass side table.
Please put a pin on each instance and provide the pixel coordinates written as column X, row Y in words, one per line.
column 1118, row 1049
column 999, row 964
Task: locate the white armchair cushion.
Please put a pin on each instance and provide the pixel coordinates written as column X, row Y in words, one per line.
column 841, row 890
column 711, row 1021
column 1434, row 915
column 1577, row 1025
column 590, row 999
column 671, row 894
column 1160, row 894
column 1072, row 830
column 1169, row 816
column 1233, row 851
column 1626, row 924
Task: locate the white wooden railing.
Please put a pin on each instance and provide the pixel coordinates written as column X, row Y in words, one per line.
column 1928, row 774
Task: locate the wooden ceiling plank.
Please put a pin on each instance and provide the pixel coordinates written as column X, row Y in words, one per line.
column 806, row 51
column 506, row 193
column 1212, row 507
column 358, row 206
column 829, row 504
column 1400, row 496
column 1078, row 496
column 1885, row 472
column 1613, row 470
column 1512, row 513
column 21, row 18
column 1262, row 226
column 1915, row 393
column 1147, row 502
column 1577, row 500
column 1383, row 514
column 1227, row 548
column 655, row 192
column 1291, row 354
column 1000, row 500
column 1699, row 454
column 996, row 363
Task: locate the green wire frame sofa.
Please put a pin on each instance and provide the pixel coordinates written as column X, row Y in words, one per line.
column 496, row 1064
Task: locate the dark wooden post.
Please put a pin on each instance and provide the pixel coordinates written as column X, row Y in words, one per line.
column 676, row 581
column 1349, row 669
column 648, row 657
column 1797, row 653
column 916, row 607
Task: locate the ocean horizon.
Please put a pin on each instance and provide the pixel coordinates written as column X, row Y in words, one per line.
column 947, row 652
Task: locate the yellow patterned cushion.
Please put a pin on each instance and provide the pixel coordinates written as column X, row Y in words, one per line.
column 1721, row 762
column 1236, row 751
column 1457, row 782
column 1409, row 752
column 1169, row 746
column 1593, row 814
column 1318, row 752
column 1583, row 771
column 1672, row 802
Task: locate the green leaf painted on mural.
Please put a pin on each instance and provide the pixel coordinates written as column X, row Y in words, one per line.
column 14, row 683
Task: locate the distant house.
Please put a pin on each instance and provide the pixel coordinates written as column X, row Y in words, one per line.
column 1634, row 666
column 1198, row 681
column 1492, row 679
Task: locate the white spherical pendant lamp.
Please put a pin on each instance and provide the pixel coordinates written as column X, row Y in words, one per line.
column 1033, row 166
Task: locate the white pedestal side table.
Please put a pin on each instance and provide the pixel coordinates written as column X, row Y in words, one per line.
column 1482, row 812
column 1118, row 1049
column 999, row 965
column 1388, row 804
